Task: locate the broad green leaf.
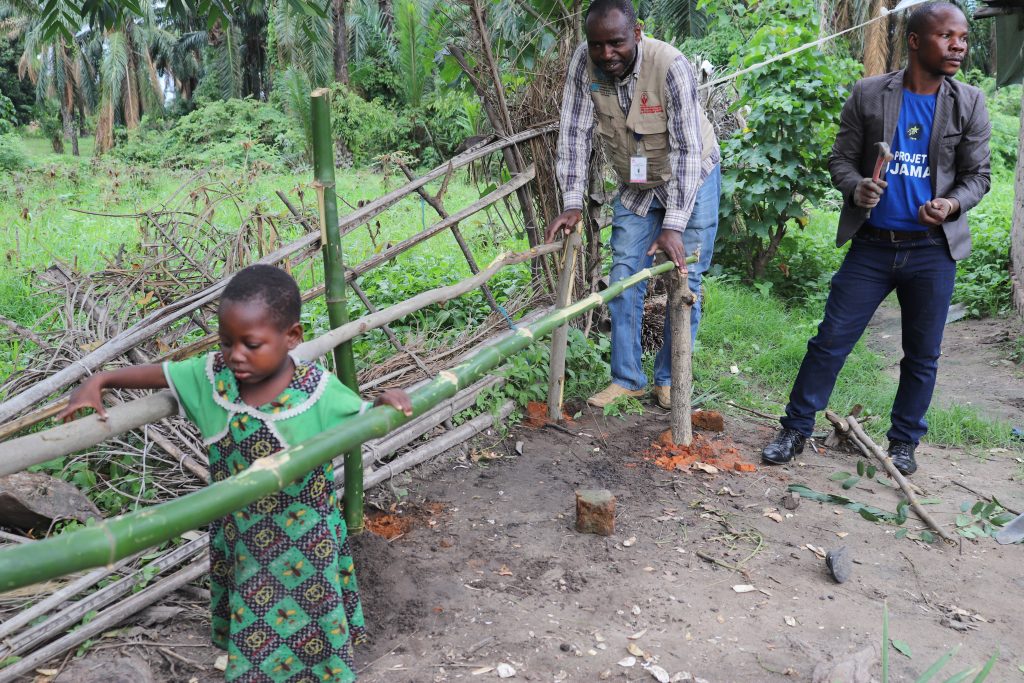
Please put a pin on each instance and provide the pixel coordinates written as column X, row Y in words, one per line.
column 850, row 483
column 902, row 647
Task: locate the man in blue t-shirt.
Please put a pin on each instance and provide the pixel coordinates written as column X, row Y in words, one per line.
column 908, row 229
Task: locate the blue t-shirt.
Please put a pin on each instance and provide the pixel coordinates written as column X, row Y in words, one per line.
column 909, row 177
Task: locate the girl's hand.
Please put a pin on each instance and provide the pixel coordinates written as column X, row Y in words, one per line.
column 397, row 399
column 88, row 395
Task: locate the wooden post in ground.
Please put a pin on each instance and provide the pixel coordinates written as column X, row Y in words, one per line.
column 560, row 337
column 680, row 304
column 334, row 284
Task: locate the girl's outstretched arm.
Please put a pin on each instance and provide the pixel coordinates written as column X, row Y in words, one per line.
column 90, row 393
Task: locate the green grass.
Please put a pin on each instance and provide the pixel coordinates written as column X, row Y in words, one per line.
column 36, row 207
column 763, row 333
column 766, row 342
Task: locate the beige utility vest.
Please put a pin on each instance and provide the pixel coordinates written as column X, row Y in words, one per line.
column 643, row 131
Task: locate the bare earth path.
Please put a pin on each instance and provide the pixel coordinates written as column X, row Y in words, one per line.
column 490, row 570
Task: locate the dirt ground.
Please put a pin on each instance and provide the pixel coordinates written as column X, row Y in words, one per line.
column 485, row 568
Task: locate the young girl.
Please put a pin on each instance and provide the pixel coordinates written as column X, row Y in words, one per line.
column 282, row 584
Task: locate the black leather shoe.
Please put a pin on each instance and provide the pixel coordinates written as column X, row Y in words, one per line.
column 787, row 445
column 902, row 454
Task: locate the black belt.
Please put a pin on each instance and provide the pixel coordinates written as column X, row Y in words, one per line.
column 871, row 231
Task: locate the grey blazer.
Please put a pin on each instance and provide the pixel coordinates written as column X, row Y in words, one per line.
column 958, row 155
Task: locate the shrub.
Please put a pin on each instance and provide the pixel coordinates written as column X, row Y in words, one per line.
column 8, row 117
column 12, row 154
column 777, row 164
column 367, row 129
column 229, row 132
column 982, row 284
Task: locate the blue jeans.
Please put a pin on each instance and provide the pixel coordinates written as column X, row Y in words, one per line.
column 632, row 236
column 922, row 272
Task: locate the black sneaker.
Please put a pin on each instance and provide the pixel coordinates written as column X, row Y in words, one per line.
column 787, row 445
column 902, row 454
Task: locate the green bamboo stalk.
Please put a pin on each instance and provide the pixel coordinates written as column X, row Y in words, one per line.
column 334, row 284
column 118, row 537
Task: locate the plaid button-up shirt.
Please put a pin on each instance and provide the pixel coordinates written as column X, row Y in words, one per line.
column 576, row 134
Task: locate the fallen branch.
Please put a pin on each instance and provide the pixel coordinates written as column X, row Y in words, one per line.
column 316, row 348
column 854, row 427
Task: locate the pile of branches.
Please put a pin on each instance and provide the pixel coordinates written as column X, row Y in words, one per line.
column 184, row 247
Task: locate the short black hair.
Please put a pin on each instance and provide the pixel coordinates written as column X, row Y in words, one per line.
column 601, row 8
column 269, row 285
column 922, row 16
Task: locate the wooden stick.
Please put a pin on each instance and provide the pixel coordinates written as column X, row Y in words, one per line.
column 438, row 207
column 437, row 446
column 559, row 338
column 855, row 428
column 70, row 590
column 24, row 332
column 377, row 449
column 842, row 429
column 319, row 346
column 106, row 619
column 680, row 303
column 32, row 449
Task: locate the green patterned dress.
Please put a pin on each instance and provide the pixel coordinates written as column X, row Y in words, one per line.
column 283, row 588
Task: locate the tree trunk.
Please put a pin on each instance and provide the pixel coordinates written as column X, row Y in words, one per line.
column 763, row 257
column 254, row 58
column 105, row 129
column 67, row 99
column 876, row 42
column 130, row 93
column 340, row 42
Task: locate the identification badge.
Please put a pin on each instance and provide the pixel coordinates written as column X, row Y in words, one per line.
column 638, row 169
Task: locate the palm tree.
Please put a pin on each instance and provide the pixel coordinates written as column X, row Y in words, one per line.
column 51, row 65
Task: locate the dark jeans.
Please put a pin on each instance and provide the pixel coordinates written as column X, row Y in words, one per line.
column 922, row 273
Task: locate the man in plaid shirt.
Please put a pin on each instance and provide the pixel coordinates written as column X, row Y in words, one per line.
column 639, row 97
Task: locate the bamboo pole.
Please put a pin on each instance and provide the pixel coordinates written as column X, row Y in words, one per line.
column 32, row 449
column 680, row 303
column 559, row 338
column 150, row 326
column 334, row 286
column 120, row 536
column 75, row 612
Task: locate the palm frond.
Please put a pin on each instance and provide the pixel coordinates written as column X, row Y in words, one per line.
column 113, row 68
column 681, row 19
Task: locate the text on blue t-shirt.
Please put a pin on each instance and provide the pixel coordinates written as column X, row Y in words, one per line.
column 908, row 174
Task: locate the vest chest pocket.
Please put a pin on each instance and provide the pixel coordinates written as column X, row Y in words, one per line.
column 655, row 134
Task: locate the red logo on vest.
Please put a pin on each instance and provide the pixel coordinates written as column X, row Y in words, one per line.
column 649, row 108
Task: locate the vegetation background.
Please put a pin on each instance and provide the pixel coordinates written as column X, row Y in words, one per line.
column 110, row 107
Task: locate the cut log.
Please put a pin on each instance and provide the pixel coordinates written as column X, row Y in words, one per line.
column 595, row 512
column 33, row 500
